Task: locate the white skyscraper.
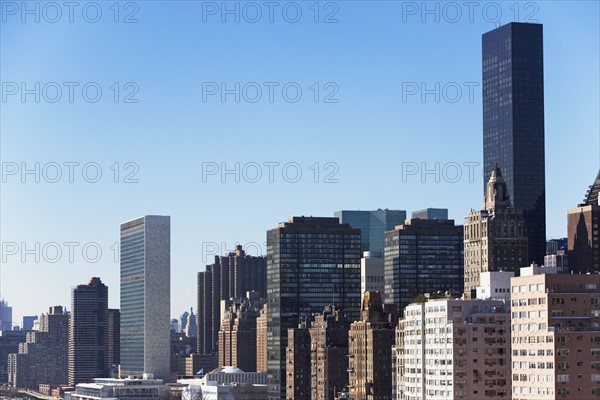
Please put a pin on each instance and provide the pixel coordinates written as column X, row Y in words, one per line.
column 145, row 296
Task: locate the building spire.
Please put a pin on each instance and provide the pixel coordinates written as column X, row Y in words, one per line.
column 591, row 197
column 496, row 194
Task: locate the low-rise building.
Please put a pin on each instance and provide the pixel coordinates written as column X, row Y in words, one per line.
column 146, row 388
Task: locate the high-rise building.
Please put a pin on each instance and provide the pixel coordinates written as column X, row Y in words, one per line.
column 28, row 321
column 329, row 354
column 42, row 359
column 430, row 213
column 370, row 351
column 145, row 296
column 5, row 316
column 372, row 273
column 191, row 329
column 555, row 335
column 183, row 320
column 88, row 332
column 229, row 277
column 583, row 237
column 495, row 237
column 297, row 362
column 114, row 339
column 422, row 256
column 311, row 262
column 448, row 348
column 372, row 225
column 554, row 245
column 261, row 340
column 237, row 337
column 513, row 122
column 9, row 343
column 559, row 260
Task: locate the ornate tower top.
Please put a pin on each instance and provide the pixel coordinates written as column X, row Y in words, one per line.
column 496, row 194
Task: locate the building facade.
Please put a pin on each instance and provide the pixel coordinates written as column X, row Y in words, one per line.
column 328, row 353
column 261, row 340
column 311, row 262
column 372, row 273
column 583, row 238
column 422, row 256
column 114, row 338
column 42, row 359
column 555, row 335
column 430, row 213
column 370, row 351
column 88, row 332
column 451, row 349
column 495, row 237
column 297, row 363
column 513, row 122
column 372, row 224
column 229, row 277
column 145, row 297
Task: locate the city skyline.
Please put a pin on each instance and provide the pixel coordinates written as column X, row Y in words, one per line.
column 89, row 219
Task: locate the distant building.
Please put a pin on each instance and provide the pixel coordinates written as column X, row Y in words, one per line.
column 229, row 277
column 88, row 332
column 422, row 256
column 28, row 322
column 175, row 325
column 5, row 316
column 297, row 363
column 554, row 245
column 372, row 273
column 555, row 335
column 494, row 285
column 9, row 343
column 583, row 237
column 191, row 329
column 430, row 213
column 372, row 224
column 261, row 340
column 513, row 122
column 328, row 353
column 495, row 237
column 42, row 359
column 237, row 337
column 370, row 351
column 312, row 261
column 449, row 348
column 111, row 388
column 560, row 261
column 184, row 320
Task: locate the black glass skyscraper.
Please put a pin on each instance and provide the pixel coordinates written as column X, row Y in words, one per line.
column 513, row 121
column 311, row 262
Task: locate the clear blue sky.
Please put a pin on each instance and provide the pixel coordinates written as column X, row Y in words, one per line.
column 369, row 55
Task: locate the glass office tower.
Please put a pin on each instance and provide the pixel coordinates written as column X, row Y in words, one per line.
column 513, row 122
column 372, row 225
column 145, row 296
column 311, row 262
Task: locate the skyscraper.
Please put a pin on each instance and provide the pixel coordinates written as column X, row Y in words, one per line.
column 114, row 337
column 495, row 237
column 311, row 262
column 297, row 365
column 422, row 256
column 229, row 277
column 28, row 321
column 88, row 332
column 5, row 316
column 583, row 240
column 145, row 296
column 513, row 121
column 372, row 225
